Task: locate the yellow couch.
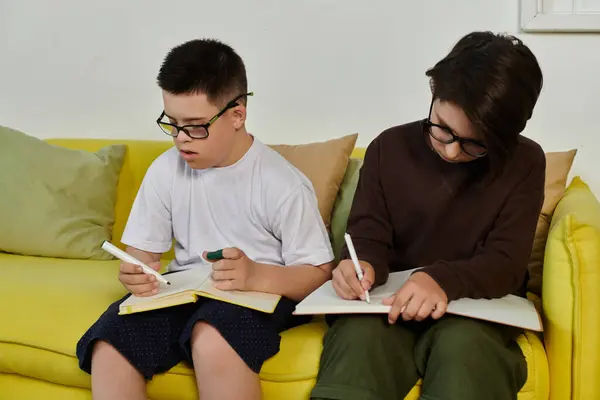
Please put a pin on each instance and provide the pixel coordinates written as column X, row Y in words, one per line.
column 49, row 303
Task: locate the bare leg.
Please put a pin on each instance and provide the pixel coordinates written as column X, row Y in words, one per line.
column 113, row 376
column 220, row 372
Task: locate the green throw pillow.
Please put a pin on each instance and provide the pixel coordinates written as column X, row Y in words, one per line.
column 343, row 204
column 56, row 202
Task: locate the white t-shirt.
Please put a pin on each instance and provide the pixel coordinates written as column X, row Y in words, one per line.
column 261, row 204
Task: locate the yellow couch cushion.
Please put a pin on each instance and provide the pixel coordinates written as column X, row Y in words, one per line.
column 54, row 301
column 571, row 295
column 17, row 387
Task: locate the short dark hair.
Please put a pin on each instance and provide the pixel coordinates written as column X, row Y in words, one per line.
column 205, row 66
column 496, row 80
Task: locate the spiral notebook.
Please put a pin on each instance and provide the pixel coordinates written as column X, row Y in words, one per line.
column 509, row 310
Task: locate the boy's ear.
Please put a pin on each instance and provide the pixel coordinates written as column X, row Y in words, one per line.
column 239, row 117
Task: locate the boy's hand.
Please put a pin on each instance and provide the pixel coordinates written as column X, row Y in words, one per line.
column 235, row 271
column 417, row 299
column 346, row 283
column 136, row 282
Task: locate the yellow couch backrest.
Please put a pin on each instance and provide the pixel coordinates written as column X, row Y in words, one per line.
column 140, row 154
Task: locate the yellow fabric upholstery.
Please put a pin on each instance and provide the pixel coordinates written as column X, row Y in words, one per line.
column 571, row 295
column 67, row 296
column 49, row 303
column 558, row 166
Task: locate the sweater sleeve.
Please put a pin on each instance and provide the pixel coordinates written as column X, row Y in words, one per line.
column 499, row 265
column 369, row 223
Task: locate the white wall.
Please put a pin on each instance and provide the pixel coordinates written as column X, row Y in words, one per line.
column 319, row 68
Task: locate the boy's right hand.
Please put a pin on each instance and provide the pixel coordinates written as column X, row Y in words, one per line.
column 137, row 282
column 346, row 283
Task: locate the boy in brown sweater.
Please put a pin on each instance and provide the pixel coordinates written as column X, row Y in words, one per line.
column 457, row 194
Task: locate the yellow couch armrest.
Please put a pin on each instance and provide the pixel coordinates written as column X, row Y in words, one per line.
column 571, row 296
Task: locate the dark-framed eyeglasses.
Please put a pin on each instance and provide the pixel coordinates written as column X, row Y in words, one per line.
column 196, row 131
column 443, row 134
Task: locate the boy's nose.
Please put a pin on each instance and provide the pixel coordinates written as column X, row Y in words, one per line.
column 182, row 137
column 453, row 150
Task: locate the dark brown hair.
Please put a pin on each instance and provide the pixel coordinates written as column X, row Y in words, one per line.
column 204, row 66
column 496, row 80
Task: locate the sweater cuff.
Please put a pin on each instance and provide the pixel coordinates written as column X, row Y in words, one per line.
column 446, row 278
column 382, row 274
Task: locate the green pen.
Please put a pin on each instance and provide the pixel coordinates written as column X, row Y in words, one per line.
column 214, row 255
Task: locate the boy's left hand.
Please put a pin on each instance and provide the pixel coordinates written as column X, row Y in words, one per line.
column 235, row 271
column 419, row 298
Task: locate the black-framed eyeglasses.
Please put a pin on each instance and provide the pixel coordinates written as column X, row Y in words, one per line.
column 443, row 134
column 196, row 131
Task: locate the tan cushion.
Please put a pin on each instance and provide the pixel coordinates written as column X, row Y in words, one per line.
column 558, row 166
column 324, row 164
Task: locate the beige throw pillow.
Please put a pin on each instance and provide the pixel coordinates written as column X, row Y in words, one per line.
column 324, row 164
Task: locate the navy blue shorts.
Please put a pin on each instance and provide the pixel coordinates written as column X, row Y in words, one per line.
column 155, row 341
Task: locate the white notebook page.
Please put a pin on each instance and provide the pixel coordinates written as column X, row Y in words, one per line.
column 190, row 279
column 509, row 310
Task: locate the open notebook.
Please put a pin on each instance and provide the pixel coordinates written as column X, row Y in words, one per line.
column 187, row 285
column 509, row 310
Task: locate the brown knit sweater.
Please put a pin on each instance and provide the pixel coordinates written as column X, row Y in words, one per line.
column 472, row 235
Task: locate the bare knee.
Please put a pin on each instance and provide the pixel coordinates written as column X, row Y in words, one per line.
column 107, row 360
column 208, row 346
column 113, row 377
column 220, row 371
column 105, row 350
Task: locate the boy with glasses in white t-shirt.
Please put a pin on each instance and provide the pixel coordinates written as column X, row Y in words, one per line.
column 218, row 188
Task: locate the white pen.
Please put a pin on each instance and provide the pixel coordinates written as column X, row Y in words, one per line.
column 356, row 264
column 128, row 258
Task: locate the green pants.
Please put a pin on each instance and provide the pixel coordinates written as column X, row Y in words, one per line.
column 366, row 358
